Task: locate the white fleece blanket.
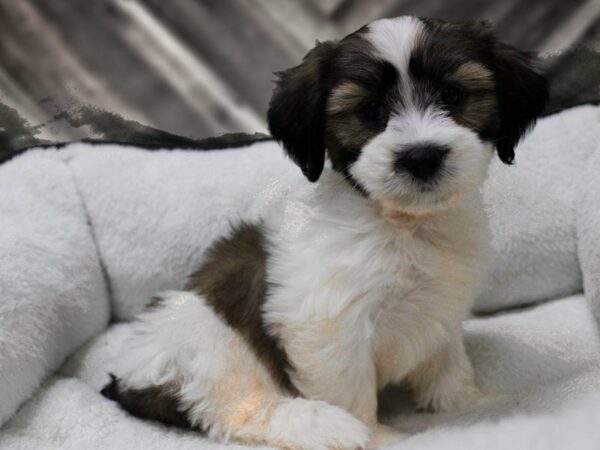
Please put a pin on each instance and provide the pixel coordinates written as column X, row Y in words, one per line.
column 155, row 213
column 547, row 358
column 89, row 231
column 52, row 293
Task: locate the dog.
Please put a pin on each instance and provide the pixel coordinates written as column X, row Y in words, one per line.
column 292, row 325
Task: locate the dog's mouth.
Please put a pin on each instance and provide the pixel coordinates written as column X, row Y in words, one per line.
column 421, row 177
column 421, row 209
column 398, row 217
column 417, row 198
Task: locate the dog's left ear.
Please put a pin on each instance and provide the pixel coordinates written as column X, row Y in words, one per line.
column 296, row 113
column 522, row 96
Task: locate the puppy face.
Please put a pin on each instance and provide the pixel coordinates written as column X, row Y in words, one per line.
column 408, row 110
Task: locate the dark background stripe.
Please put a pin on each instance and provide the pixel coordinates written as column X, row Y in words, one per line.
column 199, row 68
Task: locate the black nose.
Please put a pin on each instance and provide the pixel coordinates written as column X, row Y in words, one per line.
column 422, row 161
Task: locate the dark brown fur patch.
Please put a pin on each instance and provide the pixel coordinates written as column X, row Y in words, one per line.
column 233, row 282
column 347, row 96
column 358, row 76
column 154, row 403
column 501, row 113
column 474, row 76
column 480, row 106
column 346, row 131
column 296, row 110
column 450, row 54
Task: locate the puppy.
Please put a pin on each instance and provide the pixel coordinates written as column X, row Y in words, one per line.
column 292, row 325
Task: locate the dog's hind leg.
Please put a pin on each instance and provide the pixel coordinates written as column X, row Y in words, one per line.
column 217, row 384
column 446, row 381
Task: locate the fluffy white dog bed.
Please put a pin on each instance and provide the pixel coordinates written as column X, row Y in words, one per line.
column 90, row 232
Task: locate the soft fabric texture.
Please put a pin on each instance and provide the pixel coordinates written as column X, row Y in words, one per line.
column 588, row 228
column 547, row 358
column 155, row 213
column 533, row 211
column 52, row 292
column 89, row 231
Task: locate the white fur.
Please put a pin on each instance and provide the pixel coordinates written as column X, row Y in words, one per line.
column 370, row 298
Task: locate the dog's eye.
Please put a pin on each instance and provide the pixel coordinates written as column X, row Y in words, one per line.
column 372, row 111
column 451, row 96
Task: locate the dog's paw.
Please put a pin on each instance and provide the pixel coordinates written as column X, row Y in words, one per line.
column 337, row 429
column 317, row 425
column 386, row 435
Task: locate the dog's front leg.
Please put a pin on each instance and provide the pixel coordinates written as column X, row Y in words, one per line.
column 335, row 368
column 338, row 368
column 446, row 381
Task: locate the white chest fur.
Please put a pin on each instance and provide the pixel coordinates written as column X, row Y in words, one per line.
column 355, row 283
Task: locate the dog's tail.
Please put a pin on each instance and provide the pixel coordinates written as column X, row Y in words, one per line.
column 152, row 402
column 111, row 390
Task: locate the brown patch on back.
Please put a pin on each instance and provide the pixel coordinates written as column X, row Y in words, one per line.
column 233, row 282
column 154, row 402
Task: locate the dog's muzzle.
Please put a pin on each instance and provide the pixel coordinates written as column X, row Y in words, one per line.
column 421, row 161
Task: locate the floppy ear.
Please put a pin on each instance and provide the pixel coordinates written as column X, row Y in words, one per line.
column 522, row 96
column 296, row 113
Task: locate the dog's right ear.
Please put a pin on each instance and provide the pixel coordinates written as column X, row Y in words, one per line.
column 296, row 113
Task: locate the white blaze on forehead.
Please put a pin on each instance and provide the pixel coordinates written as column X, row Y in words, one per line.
column 395, row 40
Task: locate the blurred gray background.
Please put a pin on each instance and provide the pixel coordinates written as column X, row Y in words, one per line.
column 201, row 68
